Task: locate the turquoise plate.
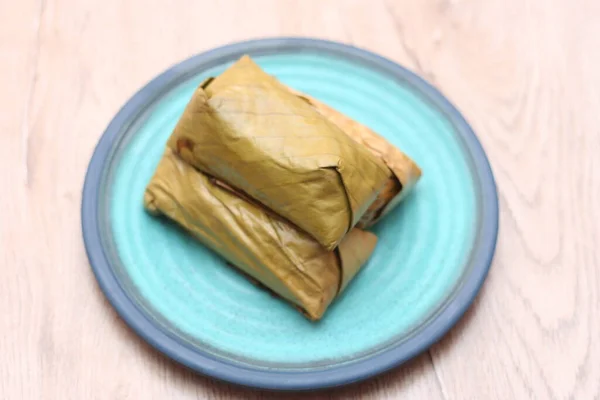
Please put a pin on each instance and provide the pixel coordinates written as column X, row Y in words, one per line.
column 433, row 253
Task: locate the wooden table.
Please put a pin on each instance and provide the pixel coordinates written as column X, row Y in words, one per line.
column 526, row 73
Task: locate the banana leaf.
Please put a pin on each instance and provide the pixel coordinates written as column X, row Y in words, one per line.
column 260, row 243
column 247, row 129
column 405, row 173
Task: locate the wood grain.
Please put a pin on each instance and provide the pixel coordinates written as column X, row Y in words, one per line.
column 525, row 73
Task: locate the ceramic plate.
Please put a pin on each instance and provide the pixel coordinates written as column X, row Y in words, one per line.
column 433, row 254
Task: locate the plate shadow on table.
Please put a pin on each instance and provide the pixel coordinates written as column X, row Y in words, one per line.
column 395, row 381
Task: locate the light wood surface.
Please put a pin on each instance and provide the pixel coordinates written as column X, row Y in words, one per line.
column 525, row 73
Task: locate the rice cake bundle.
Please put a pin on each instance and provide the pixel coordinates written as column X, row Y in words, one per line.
column 247, row 129
column 269, row 249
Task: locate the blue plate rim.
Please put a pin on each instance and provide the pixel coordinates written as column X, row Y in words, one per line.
column 287, row 380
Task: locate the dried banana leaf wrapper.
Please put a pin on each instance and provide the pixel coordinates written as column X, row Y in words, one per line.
column 247, row 129
column 405, row 173
column 271, row 250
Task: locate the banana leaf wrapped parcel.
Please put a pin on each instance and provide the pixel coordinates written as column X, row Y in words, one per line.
column 249, row 130
column 270, row 249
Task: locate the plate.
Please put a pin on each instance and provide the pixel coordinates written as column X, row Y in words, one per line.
column 433, row 253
